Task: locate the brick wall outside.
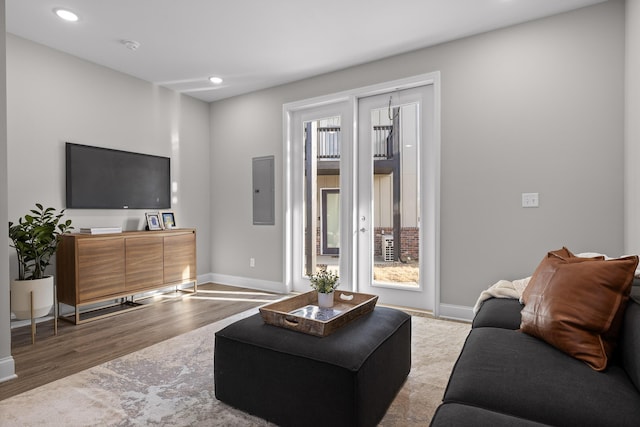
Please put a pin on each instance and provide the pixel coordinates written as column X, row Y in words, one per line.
column 409, row 236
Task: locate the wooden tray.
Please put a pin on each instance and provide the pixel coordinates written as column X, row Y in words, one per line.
column 301, row 313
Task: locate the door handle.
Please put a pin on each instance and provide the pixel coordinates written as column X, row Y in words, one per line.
column 363, row 229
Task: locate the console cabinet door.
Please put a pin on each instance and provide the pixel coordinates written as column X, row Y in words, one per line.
column 179, row 258
column 101, row 268
column 97, row 268
column 143, row 259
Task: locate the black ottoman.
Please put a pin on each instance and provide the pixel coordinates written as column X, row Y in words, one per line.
column 348, row 378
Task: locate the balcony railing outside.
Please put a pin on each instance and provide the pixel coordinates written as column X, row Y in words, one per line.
column 329, row 143
column 382, row 142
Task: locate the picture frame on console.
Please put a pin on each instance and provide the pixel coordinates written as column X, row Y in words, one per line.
column 153, row 221
column 168, row 220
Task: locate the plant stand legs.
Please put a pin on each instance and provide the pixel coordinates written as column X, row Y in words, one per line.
column 56, row 309
column 33, row 321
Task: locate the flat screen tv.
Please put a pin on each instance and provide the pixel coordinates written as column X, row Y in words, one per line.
column 103, row 178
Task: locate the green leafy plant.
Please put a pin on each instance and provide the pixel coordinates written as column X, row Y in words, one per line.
column 35, row 239
column 324, row 281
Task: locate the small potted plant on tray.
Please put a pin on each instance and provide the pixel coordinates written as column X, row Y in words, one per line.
column 35, row 239
column 325, row 282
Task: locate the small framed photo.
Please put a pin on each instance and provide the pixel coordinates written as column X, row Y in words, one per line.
column 168, row 220
column 153, row 221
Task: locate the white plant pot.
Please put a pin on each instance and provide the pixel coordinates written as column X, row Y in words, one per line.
column 325, row 300
column 42, row 297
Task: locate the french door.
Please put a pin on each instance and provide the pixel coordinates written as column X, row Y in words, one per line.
column 393, row 197
column 362, row 193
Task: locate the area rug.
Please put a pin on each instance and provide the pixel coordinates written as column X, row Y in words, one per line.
column 171, row 384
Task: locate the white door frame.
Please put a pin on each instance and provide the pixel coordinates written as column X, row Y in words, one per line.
column 292, row 112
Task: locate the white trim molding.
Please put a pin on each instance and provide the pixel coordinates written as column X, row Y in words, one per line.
column 7, row 369
column 247, row 282
column 456, row 312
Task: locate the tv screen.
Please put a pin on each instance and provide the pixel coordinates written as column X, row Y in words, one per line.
column 102, row 178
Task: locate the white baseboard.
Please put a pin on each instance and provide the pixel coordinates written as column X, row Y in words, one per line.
column 447, row 311
column 7, row 369
column 205, row 278
column 245, row 282
column 456, row 312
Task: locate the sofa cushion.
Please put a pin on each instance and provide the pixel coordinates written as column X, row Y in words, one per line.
column 577, row 306
column 498, row 313
column 635, row 290
column 459, row 415
column 629, row 350
column 514, row 373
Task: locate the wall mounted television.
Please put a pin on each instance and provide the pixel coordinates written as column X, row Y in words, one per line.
column 103, row 178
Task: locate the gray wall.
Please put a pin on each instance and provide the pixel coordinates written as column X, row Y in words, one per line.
column 537, row 107
column 632, row 127
column 54, row 97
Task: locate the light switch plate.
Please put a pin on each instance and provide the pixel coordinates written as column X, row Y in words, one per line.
column 530, row 200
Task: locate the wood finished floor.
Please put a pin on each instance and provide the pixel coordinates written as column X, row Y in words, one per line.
column 79, row 347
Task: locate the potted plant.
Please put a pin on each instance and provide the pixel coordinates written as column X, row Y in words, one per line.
column 325, row 282
column 35, row 239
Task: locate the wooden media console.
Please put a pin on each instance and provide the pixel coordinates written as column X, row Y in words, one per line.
column 94, row 268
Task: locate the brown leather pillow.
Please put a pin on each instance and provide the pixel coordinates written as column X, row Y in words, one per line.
column 577, row 306
column 547, row 268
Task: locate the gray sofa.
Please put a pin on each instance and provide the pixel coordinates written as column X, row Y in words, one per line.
column 504, row 377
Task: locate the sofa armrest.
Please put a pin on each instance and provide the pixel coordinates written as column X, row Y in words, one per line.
column 498, row 313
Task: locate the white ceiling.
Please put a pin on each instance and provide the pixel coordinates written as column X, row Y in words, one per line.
column 255, row 44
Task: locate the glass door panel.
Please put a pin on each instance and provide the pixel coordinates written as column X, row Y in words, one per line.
column 396, row 202
column 322, row 147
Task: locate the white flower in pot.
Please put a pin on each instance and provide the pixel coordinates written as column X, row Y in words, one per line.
column 325, row 282
column 35, row 239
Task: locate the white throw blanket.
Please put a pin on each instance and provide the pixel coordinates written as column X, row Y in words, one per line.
column 502, row 289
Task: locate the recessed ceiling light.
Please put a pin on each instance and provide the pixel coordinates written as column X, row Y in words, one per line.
column 65, row 14
column 215, row 80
